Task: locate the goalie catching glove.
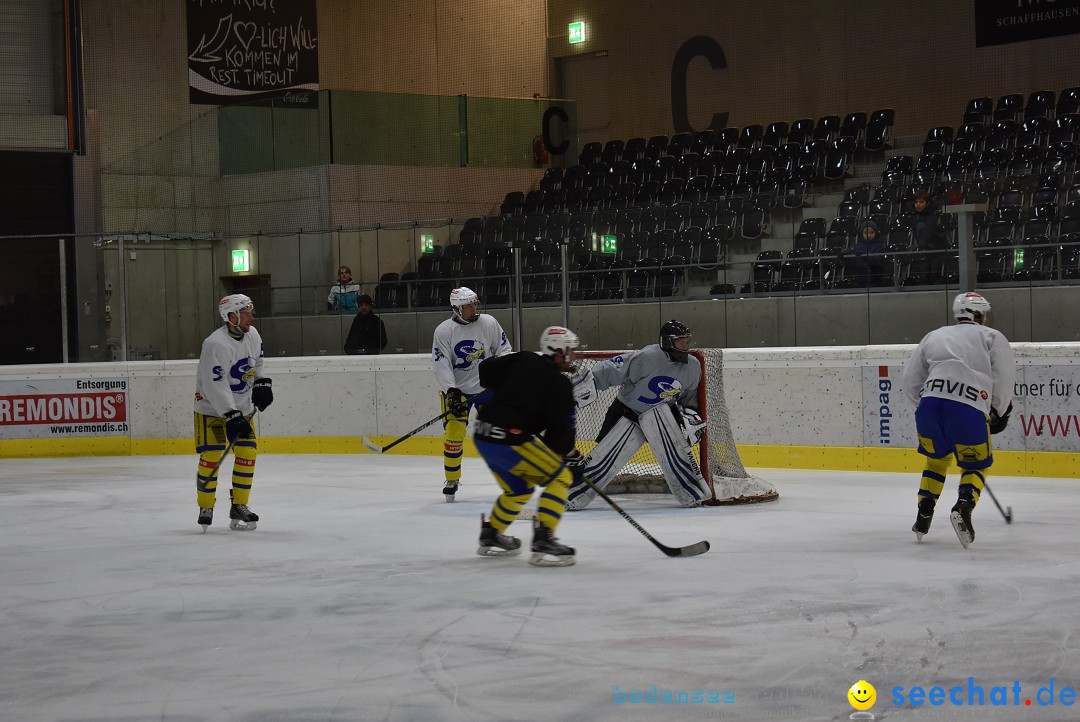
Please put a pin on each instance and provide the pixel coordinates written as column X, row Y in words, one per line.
column 584, row 388
column 998, row 423
column 456, row 403
column 693, row 425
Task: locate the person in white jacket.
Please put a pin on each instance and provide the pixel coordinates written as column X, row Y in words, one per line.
column 961, row 379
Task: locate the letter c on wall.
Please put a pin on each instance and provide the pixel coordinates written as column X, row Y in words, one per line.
column 710, row 49
column 557, row 112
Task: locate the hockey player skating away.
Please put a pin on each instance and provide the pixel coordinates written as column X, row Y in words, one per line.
column 961, row 377
column 229, row 385
column 656, row 403
column 526, row 434
column 461, row 342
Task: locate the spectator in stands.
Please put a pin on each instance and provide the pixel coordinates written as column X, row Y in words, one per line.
column 928, row 232
column 869, row 261
column 343, row 294
column 367, row 335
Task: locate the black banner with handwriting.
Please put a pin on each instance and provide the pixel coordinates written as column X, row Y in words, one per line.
column 1011, row 21
column 243, row 50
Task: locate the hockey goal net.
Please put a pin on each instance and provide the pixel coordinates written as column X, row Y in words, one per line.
column 717, row 455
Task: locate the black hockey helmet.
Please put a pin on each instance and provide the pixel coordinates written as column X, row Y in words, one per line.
column 669, row 333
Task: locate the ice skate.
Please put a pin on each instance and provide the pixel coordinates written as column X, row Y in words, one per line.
column 449, row 489
column 961, row 520
column 206, row 518
column 547, row 551
column 494, row 544
column 242, row 518
column 923, row 518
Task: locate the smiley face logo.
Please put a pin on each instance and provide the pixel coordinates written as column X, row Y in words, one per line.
column 862, row 695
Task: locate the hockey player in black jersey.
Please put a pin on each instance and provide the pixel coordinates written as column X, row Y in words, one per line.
column 526, row 434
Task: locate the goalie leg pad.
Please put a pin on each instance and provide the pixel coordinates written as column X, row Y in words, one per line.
column 672, row 450
column 606, row 461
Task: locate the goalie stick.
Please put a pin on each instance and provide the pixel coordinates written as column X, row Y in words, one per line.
column 376, row 449
column 1007, row 511
column 688, row 551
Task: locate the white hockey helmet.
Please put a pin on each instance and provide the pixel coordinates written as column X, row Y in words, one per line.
column 234, row 303
column 558, row 340
column 462, row 297
column 971, row 306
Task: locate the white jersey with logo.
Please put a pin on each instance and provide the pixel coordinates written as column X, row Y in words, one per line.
column 968, row 362
column 649, row 378
column 458, row 349
column 228, row 367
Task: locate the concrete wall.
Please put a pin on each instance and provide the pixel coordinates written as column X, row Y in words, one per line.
column 153, row 163
column 788, row 59
column 1023, row 315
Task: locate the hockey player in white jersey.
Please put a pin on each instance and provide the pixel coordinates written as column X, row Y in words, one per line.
column 657, row 403
column 229, row 385
column 460, row 343
column 961, row 378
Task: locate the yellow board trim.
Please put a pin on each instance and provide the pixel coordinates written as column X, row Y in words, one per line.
column 1006, row 463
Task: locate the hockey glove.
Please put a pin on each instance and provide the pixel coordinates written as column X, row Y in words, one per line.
column 999, row 422
column 456, row 402
column 237, row 426
column 693, row 425
column 575, row 462
column 584, row 389
column 262, row 395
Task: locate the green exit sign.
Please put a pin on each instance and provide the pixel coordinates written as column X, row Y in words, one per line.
column 427, row 243
column 609, row 244
column 1018, row 258
column 241, row 261
column 577, row 32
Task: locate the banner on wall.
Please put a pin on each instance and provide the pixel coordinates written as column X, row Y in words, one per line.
column 243, row 50
column 1045, row 417
column 63, row 408
column 1013, row 21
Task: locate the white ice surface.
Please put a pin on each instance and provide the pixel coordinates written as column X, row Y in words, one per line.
column 360, row 597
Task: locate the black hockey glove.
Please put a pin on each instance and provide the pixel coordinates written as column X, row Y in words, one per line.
column 575, row 462
column 262, row 395
column 456, row 403
column 999, row 422
column 236, row 426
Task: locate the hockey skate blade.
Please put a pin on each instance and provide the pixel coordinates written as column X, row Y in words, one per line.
column 204, row 527
column 962, row 532
column 497, row 552
column 539, row 559
column 241, row 525
column 371, row 445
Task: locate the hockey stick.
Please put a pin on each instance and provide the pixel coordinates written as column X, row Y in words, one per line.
column 376, row 449
column 1007, row 511
column 688, row 551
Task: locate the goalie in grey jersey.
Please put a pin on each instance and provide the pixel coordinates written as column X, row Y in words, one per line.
column 657, row 403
